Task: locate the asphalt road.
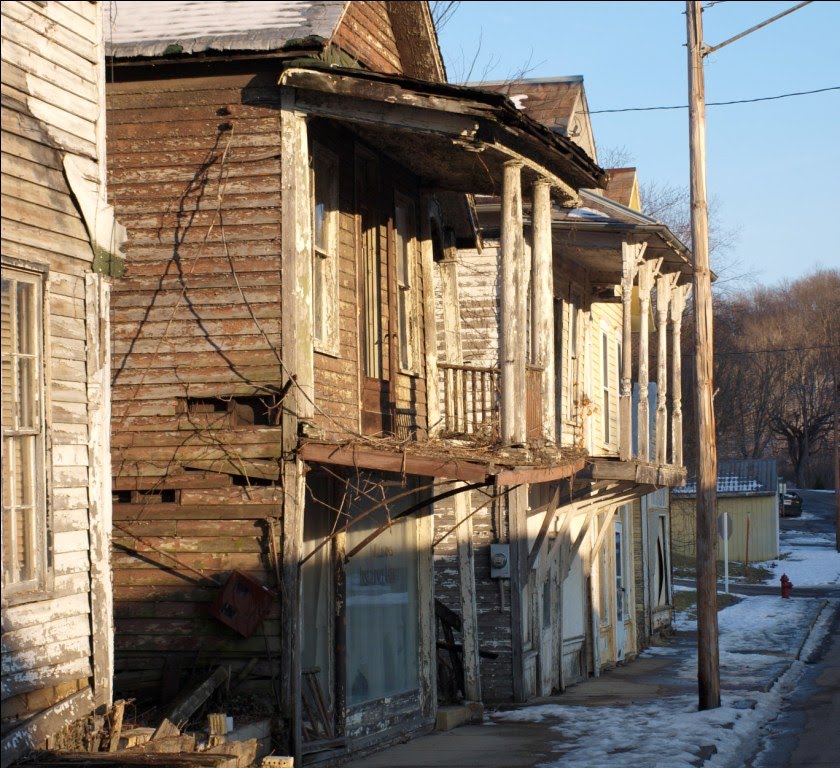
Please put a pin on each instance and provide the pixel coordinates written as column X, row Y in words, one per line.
column 805, row 733
column 818, row 514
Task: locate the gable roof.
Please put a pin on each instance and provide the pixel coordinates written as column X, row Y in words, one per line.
column 559, row 103
column 623, row 187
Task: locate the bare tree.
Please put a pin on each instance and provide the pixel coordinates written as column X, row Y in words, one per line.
column 776, row 367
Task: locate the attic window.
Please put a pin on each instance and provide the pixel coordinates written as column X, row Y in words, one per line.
column 263, row 411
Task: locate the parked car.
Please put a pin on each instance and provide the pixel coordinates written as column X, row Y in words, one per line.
column 791, row 505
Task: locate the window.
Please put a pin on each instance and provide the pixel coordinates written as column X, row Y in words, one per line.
column 405, row 240
column 572, row 368
column 325, row 250
column 605, row 384
column 24, row 501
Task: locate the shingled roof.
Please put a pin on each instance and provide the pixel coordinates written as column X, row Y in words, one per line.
column 143, row 29
column 559, row 103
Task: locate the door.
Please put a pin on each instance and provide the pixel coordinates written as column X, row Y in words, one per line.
column 375, row 389
column 620, row 592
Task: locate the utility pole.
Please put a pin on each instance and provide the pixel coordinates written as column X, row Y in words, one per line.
column 708, row 666
column 708, row 669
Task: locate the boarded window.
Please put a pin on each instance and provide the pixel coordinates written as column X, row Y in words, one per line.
column 405, row 247
column 24, row 505
column 325, row 250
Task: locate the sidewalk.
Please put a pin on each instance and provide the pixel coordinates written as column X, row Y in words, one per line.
column 644, row 713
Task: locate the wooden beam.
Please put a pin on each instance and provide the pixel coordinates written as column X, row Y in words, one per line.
column 543, row 302
column 398, row 461
column 550, row 512
column 540, row 474
column 513, row 305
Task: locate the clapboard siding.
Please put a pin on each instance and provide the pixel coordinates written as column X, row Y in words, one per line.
column 366, row 33
column 195, row 314
column 51, row 111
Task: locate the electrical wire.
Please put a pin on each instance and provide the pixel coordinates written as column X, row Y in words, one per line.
column 718, row 103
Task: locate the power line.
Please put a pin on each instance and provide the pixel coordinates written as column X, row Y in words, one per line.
column 719, row 103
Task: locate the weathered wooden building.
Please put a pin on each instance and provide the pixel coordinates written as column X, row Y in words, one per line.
column 289, row 173
column 588, row 580
column 59, row 244
column 747, row 492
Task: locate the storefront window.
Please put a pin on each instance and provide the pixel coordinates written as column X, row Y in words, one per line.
column 382, row 602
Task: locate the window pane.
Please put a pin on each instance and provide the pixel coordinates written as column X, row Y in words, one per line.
column 27, row 400
column 7, row 395
column 405, row 357
column 382, row 607
column 26, row 318
column 319, row 234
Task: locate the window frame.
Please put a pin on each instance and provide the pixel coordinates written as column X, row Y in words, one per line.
column 41, row 580
column 324, row 164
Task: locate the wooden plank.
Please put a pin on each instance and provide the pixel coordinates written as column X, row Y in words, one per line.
column 540, row 474
column 36, row 730
column 371, row 458
column 19, row 683
column 186, row 705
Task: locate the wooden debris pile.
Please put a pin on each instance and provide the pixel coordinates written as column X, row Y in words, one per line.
column 111, row 742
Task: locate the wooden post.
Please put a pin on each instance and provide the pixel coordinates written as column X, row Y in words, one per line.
column 296, row 251
column 294, row 496
column 643, row 418
column 433, row 415
column 630, row 256
column 678, row 296
column 98, row 364
column 708, row 670
column 512, row 320
column 517, row 505
column 664, row 284
column 543, row 281
column 297, row 347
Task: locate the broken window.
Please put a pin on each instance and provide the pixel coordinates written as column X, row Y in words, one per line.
column 325, row 250
column 24, row 502
column 405, row 242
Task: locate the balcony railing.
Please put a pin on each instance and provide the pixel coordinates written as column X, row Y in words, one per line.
column 471, row 397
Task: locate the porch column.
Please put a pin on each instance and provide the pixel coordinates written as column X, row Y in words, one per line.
column 513, row 308
column 296, row 252
column 517, row 506
column 543, row 281
column 298, row 358
column 645, row 285
column 433, row 415
column 630, row 255
column 678, row 296
column 664, row 284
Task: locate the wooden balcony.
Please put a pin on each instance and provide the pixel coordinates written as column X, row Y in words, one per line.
column 471, row 397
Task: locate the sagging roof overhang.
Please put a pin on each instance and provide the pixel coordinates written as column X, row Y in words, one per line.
column 594, row 233
column 424, row 460
column 453, row 138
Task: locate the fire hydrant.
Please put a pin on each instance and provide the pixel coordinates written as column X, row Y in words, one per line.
column 787, row 585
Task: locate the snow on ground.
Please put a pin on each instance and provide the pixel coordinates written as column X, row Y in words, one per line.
column 761, row 639
column 807, row 559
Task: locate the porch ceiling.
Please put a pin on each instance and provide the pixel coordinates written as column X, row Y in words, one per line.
column 453, row 138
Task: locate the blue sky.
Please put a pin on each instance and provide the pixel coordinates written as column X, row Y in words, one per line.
column 773, row 167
